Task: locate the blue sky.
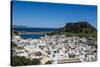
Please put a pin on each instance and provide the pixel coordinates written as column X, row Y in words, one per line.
column 47, row 15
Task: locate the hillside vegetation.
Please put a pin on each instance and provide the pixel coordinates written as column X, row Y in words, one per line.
column 82, row 29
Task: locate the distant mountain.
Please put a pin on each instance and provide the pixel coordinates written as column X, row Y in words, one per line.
column 19, row 26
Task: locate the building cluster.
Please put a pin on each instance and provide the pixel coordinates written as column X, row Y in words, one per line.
column 56, row 48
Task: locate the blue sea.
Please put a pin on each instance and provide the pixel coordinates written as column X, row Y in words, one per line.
column 33, row 36
column 34, row 29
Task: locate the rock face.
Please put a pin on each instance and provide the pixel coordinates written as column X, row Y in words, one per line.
column 79, row 27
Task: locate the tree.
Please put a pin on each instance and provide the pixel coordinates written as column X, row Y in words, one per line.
column 48, row 62
column 16, row 33
column 36, row 61
column 20, row 61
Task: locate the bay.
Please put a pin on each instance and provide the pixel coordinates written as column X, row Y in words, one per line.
column 33, row 36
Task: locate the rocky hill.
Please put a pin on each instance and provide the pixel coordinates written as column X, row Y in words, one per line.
column 79, row 27
column 82, row 28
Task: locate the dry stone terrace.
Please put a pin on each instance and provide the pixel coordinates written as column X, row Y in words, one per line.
column 56, row 48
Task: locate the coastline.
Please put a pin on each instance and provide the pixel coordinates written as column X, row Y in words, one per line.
column 38, row 33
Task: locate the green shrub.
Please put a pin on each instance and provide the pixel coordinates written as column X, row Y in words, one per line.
column 48, row 62
column 20, row 61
